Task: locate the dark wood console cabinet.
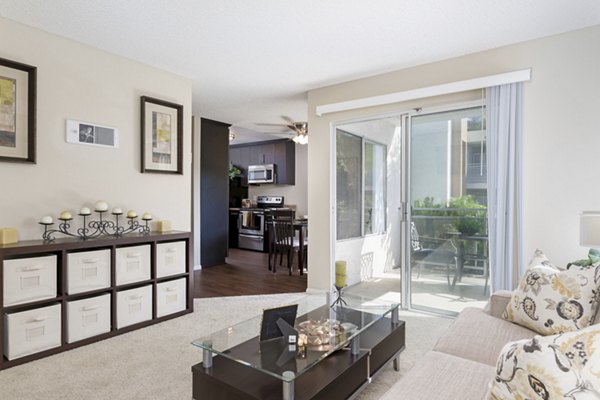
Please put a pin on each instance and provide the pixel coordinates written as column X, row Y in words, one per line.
column 167, row 282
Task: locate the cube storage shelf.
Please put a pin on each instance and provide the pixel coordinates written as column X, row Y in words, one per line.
column 70, row 292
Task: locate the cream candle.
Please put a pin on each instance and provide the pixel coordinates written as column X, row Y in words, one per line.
column 65, row 215
column 147, row 216
column 85, row 211
column 101, row 206
column 131, row 214
column 47, row 220
column 117, row 211
column 340, row 273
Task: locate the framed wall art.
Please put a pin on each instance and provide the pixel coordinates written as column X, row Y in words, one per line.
column 162, row 136
column 17, row 111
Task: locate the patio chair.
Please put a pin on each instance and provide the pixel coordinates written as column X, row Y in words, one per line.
column 431, row 252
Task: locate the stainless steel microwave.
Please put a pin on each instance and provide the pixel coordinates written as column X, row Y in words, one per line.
column 261, row 173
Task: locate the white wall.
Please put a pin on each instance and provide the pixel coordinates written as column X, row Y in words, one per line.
column 560, row 139
column 76, row 81
column 293, row 195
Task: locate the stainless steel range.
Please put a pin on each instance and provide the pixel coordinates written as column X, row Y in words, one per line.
column 251, row 224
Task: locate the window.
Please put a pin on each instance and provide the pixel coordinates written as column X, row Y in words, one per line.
column 361, row 186
column 374, row 188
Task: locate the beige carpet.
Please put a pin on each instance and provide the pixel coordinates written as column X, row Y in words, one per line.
column 155, row 362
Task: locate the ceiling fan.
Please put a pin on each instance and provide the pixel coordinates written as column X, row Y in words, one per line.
column 299, row 130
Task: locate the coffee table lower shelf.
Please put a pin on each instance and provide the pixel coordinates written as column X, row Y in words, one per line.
column 336, row 377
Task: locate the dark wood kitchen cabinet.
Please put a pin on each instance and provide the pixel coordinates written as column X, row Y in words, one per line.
column 239, row 157
column 285, row 160
column 282, row 153
column 262, row 154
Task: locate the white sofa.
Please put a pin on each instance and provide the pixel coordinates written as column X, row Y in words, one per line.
column 463, row 361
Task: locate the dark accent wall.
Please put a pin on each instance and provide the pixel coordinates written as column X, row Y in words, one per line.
column 214, row 191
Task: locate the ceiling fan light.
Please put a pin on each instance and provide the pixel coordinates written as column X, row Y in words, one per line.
column 301, row 139
column 231, row 135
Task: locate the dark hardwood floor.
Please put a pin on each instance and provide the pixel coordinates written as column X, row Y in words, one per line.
column 246, row 273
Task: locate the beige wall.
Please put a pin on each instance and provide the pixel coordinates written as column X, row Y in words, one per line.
column 560, row 137
column 79, row 82
column 293, row 195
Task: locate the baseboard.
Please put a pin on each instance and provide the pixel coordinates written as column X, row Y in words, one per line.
column 197, row 267
column 316, row 291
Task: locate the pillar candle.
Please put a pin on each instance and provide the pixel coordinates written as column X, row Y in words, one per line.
column 163, row 226
column 84, row 211
column 101, row 206
column 8, row 236
column 340, row 273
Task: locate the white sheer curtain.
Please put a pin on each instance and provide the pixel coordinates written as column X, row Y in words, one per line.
column 504, row 105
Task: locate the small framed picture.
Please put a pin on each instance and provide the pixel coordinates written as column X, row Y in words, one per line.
column 269, row 328
column 162, row 136
column 17, row 111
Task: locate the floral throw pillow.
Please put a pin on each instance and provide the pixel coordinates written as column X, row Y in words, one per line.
column 539, row 258
column 549, row 300
column 562, row 366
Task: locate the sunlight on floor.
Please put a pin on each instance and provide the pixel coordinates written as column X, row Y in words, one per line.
column 430, row 290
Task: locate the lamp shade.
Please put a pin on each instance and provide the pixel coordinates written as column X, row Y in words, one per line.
column 589, row 229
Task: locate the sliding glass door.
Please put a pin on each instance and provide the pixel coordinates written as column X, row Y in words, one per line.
column 411, row 216
column 447, row 218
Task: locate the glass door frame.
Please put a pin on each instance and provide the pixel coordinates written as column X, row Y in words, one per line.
column 406, row 216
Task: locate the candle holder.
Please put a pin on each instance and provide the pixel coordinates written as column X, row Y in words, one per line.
column 339, row 290
column 95, row 228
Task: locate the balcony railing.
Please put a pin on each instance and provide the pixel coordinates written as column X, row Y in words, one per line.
column 469, row 225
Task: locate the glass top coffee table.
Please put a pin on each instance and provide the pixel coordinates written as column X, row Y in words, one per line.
column 327, row 330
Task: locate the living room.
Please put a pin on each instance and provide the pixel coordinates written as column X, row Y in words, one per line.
column 90, row 83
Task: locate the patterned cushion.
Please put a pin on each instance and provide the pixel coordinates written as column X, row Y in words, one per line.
column 549, row 367
column 549, row 300
column 539, row 258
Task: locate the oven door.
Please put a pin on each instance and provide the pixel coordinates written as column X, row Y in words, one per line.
column 250, row 242
column 252, row 222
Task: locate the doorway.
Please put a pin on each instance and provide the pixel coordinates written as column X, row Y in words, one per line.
column 411, row 216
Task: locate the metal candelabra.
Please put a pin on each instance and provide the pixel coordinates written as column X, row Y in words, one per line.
column 95, row 228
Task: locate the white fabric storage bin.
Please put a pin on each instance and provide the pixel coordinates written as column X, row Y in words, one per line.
column 88, row 270
column 132, row 264
column 170, row 258
column 29, row 279
column 88, row 317
column 32, row 331
column 133, row 306
column 170, row 297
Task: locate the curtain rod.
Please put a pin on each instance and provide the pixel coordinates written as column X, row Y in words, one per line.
column 429, row 91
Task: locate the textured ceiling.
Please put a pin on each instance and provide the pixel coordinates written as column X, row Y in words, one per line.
column 252, row 61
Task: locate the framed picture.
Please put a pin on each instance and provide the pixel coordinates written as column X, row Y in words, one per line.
column 268, row 326
column 162, row 136
column 17, row 111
